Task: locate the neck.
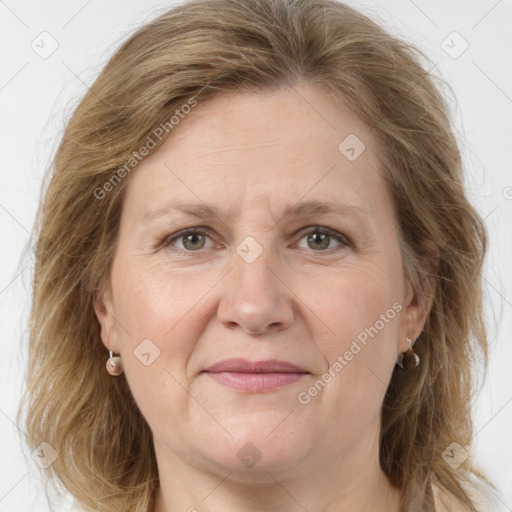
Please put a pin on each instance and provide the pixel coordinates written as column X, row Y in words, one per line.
column 328, row 482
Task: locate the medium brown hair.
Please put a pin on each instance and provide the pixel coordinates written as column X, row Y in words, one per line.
column 195, row 52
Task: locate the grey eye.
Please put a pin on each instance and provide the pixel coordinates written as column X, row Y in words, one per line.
column 318, row 241
column 193, row 241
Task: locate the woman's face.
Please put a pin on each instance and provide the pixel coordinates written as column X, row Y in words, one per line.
column 266, row 340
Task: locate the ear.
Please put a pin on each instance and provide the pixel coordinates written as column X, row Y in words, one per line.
column 419, row 296
column 104, row 314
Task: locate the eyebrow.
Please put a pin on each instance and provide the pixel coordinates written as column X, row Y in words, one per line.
column 207, row 211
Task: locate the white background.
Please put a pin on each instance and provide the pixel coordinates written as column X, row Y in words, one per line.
column 37, row 95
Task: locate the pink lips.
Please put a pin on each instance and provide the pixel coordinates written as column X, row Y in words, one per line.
column 255, row 376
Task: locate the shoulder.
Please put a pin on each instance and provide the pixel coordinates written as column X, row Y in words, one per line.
column 482, row 495
column 445, row 501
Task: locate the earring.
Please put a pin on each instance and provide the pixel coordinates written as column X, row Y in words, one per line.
column 114, row 365
column 408, row 360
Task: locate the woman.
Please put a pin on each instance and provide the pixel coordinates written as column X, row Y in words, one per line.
column 258, row 278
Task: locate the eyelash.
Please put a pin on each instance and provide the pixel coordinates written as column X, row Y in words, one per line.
column 167, row 242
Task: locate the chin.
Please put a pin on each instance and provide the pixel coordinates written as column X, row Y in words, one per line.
column 262, row 443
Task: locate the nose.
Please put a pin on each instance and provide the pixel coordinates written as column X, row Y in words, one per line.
column 255, row 297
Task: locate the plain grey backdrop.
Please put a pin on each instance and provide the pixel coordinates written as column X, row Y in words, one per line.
column 51, row 51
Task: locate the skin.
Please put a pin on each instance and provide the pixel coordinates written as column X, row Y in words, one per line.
column 250, row 155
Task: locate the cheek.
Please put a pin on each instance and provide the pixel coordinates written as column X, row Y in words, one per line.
column 357, row 305
column 157, row 323
column 362, row 311
column 160, row 316
column 152, row 301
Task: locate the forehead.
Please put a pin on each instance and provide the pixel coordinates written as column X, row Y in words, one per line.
column 249, row 147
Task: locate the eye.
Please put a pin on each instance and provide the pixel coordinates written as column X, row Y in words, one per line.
column 188, row 240
column 317, row 238
column 320, row 238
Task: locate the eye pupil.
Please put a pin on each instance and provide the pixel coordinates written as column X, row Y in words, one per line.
column 319, row 240
column 194, row 238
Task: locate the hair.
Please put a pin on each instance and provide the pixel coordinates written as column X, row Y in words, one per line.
column 195, row 52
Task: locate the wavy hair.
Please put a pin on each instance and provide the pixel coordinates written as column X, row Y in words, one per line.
column 195, row 52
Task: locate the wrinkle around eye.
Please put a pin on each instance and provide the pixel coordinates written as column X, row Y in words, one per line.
column 333, row 234
column 169, row 239
column 175, row 242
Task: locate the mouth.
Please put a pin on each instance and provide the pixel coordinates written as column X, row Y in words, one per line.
column 255, row 376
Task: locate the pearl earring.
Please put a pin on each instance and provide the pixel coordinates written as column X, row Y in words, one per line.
column 114, row 365
column 408, row 360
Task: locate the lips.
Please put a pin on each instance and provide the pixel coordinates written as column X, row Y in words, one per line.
column 245, row 366
column 255, row 376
